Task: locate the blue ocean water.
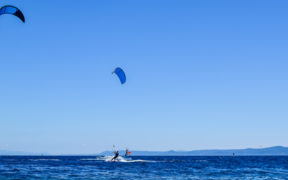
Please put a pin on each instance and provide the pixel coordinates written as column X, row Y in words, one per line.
column 81, row 167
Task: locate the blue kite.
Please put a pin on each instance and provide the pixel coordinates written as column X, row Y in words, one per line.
column 8, row 9
column 121, row 74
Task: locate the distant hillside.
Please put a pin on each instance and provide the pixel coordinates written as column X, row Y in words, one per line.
column 271, row 151
column 17, row 153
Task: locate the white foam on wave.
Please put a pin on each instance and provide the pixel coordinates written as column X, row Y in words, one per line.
column 271, row 170
column 44, row 159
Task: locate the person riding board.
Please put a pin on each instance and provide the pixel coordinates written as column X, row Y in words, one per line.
column 116, row 154
column 127, row 153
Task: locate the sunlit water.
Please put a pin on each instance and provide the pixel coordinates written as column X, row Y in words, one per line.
column 88, row 167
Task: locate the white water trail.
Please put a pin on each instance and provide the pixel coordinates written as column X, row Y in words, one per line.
column 118, row 159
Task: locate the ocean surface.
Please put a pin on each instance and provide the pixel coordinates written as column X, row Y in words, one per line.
column 91, row 167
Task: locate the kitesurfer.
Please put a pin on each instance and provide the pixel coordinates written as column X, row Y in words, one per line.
column 127, row 153
column 116, row 154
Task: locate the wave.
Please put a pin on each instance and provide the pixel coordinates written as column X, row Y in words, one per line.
column 44, row 159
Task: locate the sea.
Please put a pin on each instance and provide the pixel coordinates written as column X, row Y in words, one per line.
column 144, row 167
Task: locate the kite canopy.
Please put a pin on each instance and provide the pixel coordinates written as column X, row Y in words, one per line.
column 121, row 75
column 12, row 10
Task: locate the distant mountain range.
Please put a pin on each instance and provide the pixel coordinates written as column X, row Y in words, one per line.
column 271, row 151
column 12, row 153
column 19, row 153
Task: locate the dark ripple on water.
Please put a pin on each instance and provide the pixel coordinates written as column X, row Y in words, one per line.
column 20, row 167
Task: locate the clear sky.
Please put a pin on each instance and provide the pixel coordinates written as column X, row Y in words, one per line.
column 200, row 75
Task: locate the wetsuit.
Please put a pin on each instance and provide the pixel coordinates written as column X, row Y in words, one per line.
column 116, row 155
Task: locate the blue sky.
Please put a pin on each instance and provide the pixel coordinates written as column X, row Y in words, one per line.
column 200, row 75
